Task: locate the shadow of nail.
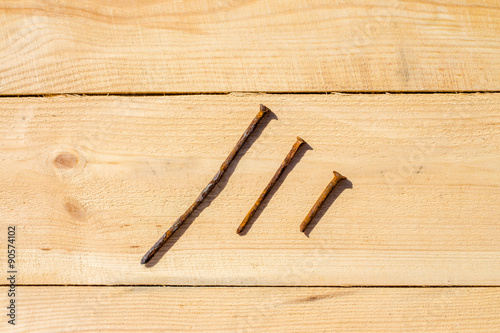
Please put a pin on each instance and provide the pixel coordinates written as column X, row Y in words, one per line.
column 216, row 190
column 296, row 159
column 341, row 187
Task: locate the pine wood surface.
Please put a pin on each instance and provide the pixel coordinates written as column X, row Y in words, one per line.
column 114, row 115
column 51, row 47
column 242, row 310
column 92, row 183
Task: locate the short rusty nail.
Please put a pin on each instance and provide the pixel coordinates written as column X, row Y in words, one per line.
column 264, row 193
column 147, row 257
column 336, row 178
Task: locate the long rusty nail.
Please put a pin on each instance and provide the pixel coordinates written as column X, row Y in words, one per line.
column 282, row 167
column 336, row 178
column 147, row 257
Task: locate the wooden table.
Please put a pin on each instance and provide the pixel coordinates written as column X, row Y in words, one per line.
column 115, row 115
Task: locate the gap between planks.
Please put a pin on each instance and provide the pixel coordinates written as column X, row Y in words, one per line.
column 159, row 94
column 252, row 286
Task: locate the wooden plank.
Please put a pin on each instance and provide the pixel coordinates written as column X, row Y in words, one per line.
column 225, row 46
column 92, row 182
column 207, row 309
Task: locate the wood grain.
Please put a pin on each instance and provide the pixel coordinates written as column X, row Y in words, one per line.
column 92, row 182
column 245, row 310
column 49, row 47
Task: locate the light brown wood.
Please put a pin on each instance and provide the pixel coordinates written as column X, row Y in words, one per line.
column 223, row 46
column 92, row 182
column 245, row 310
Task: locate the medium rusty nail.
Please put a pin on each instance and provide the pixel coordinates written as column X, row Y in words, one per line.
column 264, row 193
column 336, row 178
column 147, row 257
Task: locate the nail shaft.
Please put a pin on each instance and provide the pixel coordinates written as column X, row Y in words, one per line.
column 336, row 178
column 282, row 167
column 147, row 257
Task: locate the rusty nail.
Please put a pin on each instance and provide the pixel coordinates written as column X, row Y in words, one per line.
column 264, row 193
column 336, row 178
column 147, row 257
